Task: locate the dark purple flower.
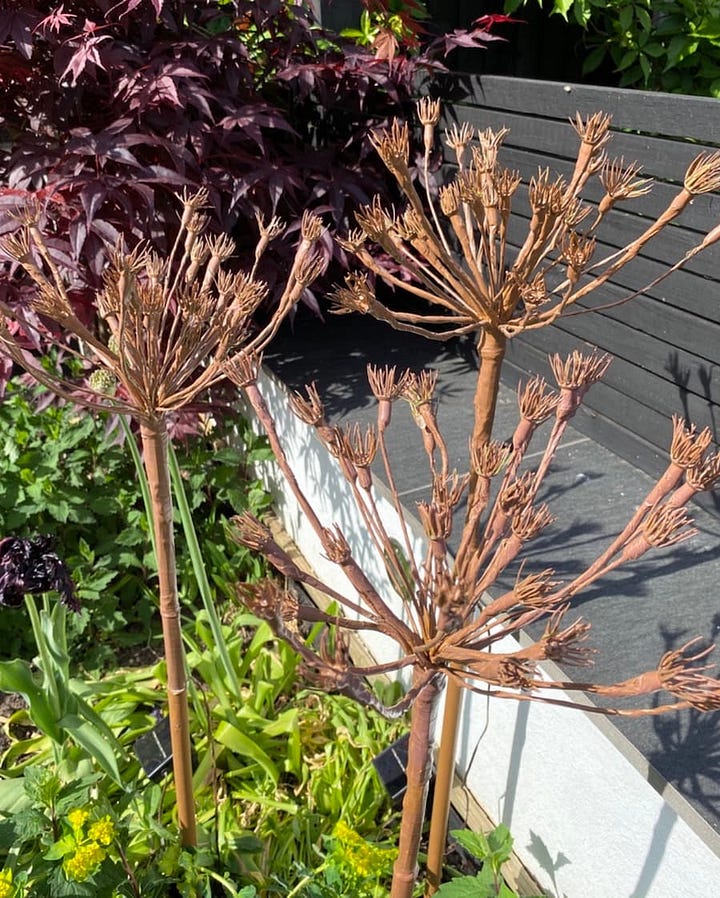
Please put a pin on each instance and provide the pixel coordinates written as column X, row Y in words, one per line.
column 30, row 566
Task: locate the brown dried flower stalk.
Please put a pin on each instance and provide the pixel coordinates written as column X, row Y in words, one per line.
column 445, row 625
column 170, row 329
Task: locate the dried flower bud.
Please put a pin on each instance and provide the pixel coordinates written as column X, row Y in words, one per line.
column 419, row 389
column 688, row 446
column 534, row 294
column 577, row 250
column 265, row 599
column 450, row 199
column 359, row 449
column 375, row 220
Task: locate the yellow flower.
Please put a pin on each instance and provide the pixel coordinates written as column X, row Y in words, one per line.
column 77, row 818
column 102, row 831
column 363, row 858
column 84, row 862
column 6, row 885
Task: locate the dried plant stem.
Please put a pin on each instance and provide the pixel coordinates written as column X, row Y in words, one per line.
column 445, row 766
column 155, row 455
column 491, row 347
column 405, row 872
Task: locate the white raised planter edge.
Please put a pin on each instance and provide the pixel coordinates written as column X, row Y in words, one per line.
column 589, row 817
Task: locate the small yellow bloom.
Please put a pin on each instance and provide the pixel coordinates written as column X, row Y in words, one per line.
column 102, row 831
column 84, row 862
column 6, row 884
column 77, row 818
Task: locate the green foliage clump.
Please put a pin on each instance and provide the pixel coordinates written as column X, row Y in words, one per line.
column 67, row 472
column 667, row 45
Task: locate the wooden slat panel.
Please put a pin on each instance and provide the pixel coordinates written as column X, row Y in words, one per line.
column 654, row 113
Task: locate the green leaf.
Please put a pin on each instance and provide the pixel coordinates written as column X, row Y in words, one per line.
column 16, row 676
column 239, row 743
column 467, row 887
column 94, row 743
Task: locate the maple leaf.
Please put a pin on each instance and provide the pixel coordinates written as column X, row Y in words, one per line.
column 54, row 22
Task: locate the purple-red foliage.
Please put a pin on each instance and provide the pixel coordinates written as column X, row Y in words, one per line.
column 108, row 108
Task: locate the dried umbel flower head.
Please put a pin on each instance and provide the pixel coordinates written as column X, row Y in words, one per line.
column 578, row 370
column 335, row 545
column 688, row 683
column 308, row 408
column 458, row 139
column 536, row 401
column 515, row 495
column 564, row 645
column 594, row 130
column 268, row 600
column 358, row 294
column 531, row 521
column 488, row 459
column 250, row 532
column 621, row 181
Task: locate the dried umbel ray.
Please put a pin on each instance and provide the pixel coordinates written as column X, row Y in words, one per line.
column 456, row 246
column 169, row 330
column 444, row 624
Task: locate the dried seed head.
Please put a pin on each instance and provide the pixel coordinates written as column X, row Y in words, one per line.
column 436, row 520
column 191, row 203
column 687, row 683
column 335, row 545
column 515, row 673
column 531, row 521
column 488, row 459
column 242, row 369
column 704, row 476
column 489, row 142
column 666, row 526
column 578, row 370
column 393, row 146
column 703, row 174
column 308, row 408
column 577, row 250
column 385, row 383
column 311, row 227
column 374, row 220
column 271, row 229
column 546, row 195
column 221, row 247
column 429, row 114
column 516, row 494
column 621, row 182
column 266, row 599
column 534, row 294
column 688, row 446
column 358, row 447
column 358, row 295
column 354, row 241
column 449, row 490
column 594, row 130
column 533, row 591
column 562, row 646
column 310, row 269
column 450, row 199
column 537, row 402
column 458, row 139
column 247, row 530
column 419, row 389
column 47, row 300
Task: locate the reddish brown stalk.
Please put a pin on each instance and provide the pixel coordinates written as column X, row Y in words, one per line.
column 155, row 456
column 419, row 767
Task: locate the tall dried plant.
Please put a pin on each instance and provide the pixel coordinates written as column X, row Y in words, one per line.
column 456, row 248
column 168, row 330
column 444, row 625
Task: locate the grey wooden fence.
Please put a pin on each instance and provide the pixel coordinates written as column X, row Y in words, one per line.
column 666, row 342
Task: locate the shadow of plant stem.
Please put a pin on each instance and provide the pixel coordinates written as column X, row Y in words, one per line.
column 443, row 625
column 173, row 325
column 455, row 255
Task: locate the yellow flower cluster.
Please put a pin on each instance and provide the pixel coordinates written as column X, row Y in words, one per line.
column 6, row 883
column 363, row 858
column 89, row 845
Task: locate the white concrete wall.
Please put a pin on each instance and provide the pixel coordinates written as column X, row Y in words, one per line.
column 577, row 797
